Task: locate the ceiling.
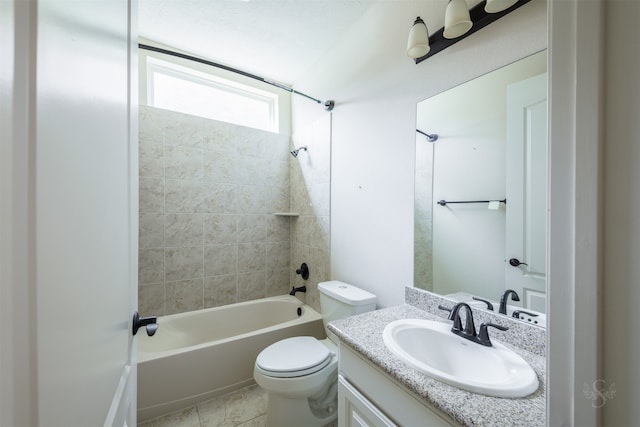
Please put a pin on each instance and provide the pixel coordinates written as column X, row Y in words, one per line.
column 276, row 39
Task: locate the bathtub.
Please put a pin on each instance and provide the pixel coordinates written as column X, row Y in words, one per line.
column 199, row 355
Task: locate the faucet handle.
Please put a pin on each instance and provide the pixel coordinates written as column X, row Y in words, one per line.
column 483, row 335
column 517, row 313
column 304, row 269
column 453, row 315
column 489, row 305
column 442, row 307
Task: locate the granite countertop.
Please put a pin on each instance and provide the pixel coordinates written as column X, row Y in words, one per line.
column 363, row 333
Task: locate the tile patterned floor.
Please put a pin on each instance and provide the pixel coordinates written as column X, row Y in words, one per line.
column 243, row 408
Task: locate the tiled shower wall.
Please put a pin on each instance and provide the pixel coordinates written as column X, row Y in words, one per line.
column 208, row 192
column 423, row 217
column 310, row 197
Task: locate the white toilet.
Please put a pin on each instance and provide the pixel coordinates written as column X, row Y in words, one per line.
column 300, row 374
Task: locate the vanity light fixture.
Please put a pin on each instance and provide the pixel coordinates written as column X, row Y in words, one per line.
column 456, row 19
column 418, row 43
column 495, row 6
column 460, row 22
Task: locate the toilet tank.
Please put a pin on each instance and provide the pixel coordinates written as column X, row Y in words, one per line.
column 339, row 300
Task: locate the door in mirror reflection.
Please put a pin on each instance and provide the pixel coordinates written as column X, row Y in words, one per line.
column 526, row 187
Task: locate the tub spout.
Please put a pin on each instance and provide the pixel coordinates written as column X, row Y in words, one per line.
column 150, row 324
column 300, row 289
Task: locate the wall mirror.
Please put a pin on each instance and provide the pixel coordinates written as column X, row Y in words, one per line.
column 480, row 188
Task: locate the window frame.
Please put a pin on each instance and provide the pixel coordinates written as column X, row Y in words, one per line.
column 278, row 101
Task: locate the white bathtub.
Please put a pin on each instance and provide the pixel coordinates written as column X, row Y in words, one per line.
column 199, row 355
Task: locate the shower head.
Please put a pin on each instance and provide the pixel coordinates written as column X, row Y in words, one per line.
column 295, row 152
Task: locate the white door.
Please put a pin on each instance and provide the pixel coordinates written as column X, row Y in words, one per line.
column 73, row 213
column 526, row 218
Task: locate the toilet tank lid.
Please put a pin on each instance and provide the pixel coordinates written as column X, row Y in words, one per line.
column 346, row 293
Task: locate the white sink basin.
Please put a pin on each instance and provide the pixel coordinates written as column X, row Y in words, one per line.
column 431, row 348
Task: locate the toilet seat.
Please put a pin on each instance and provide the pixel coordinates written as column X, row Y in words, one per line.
column 293, row 357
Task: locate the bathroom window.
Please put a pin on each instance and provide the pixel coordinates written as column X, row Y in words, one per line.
column 177, row 88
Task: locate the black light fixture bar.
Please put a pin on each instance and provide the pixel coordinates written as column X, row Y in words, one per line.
column 480, row 19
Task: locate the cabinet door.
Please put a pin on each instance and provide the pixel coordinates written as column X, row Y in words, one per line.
column 354, row 410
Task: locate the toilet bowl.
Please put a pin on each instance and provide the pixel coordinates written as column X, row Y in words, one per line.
column 300, row 393
column 300, row 373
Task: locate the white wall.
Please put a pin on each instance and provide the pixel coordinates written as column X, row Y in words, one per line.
column 17, row 379
column 376, row 88
column 621, row 211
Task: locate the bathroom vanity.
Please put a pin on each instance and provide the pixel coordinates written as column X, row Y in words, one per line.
column 386, row 403
column 378, row 389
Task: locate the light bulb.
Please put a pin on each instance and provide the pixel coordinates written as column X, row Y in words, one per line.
column 456, row 19
column 418, row 43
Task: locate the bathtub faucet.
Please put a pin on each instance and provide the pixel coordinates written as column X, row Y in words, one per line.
column 300, row 289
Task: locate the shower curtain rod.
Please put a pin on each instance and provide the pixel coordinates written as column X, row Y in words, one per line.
column 224, row 67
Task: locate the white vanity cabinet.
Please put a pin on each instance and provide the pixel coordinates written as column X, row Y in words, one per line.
column 354, row 410
column 368, row 397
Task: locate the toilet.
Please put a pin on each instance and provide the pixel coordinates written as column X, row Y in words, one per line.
column 300, row 374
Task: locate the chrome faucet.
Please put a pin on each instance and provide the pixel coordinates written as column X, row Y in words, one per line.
column 469, row 331
column 505, row 297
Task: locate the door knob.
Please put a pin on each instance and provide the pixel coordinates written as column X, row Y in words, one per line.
column 150, row 323
column 515, row 262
